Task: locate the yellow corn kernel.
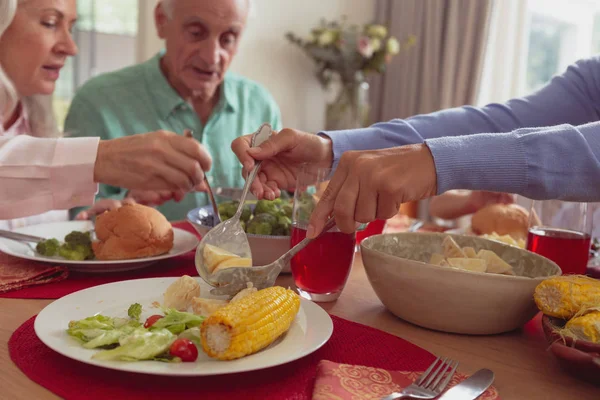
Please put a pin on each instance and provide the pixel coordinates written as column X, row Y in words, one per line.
column 565, row 296
column 250, row 324
column 586, row 327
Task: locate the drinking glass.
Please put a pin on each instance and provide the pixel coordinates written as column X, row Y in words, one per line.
column 321, row 269
column 561, row 231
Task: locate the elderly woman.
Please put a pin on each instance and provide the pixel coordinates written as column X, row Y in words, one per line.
column 39, row 171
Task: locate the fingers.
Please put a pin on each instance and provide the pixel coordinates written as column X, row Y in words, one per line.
column 82, row 216
column 192, row 149
column 346, row 206
column 366, row 205
column 326, row 204
column 240, row 147
column 277, row 143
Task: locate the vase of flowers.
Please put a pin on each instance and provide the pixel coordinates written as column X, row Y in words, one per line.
column 345, row 56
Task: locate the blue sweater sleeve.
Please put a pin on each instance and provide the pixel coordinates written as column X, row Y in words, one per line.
column 571, row 98
column 560, row 162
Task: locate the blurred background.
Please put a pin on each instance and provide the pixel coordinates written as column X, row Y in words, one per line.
column 452, row 52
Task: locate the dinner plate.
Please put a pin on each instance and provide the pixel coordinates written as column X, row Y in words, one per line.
column 183, row 242
column 310, row 330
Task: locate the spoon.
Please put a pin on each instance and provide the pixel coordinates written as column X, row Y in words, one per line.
column 232, row 280
column 217, row 218
column 229, row 235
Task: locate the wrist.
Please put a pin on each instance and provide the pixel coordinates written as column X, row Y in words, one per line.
column 326, row 158
column 100, row 161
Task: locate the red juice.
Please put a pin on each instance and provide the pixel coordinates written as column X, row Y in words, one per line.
column 569, row 249
column 324, row 264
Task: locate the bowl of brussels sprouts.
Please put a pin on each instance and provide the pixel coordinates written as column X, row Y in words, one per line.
column 266, row 222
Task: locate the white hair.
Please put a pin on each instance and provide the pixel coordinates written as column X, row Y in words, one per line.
column 167, row 6
column 39, row 107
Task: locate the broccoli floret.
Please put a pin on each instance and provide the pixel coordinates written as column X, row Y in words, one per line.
column 48, row 247
column 77, row 237
column 265, row 207
column 134, row 311
column 261, row 224
column 77, row 252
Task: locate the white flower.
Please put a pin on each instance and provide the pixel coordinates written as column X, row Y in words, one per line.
column 392, row 46
column 379, row 31
column 376, row 44
column 365, row 48
column 326, row 38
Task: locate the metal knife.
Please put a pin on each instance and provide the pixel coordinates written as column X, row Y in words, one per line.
column 471, row 388
column 20, row 236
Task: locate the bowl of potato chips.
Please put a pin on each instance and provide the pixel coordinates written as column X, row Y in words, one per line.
column 455, row 283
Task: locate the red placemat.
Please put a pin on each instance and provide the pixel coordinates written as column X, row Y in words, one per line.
column 177, row 266
column 351, row 343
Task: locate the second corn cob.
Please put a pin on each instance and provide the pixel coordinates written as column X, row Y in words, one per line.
column 565, row 296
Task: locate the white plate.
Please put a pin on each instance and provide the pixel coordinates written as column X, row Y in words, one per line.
column 183, row 242
column 310, row 330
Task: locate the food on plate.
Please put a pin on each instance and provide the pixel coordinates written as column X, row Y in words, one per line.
column 216, row 258
column 132, row 231
column 566, row 296
column 250, row 324
column 205, row 307
column 467, row 259
column 77, row 246
column 586, row 326
column 506, row 239
column 180, row 293
column 127, row 339
column 503, row 219
column 269, row 217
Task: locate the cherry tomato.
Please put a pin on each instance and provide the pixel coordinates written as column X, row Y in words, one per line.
column 152, row 320
column 184, row 349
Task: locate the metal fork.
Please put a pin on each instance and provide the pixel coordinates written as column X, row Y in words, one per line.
column 430, row 384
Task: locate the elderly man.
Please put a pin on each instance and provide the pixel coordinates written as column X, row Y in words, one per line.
column 186, row 86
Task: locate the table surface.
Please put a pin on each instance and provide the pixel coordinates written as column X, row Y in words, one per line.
column 523, row 367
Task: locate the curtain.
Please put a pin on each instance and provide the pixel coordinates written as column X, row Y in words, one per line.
column 505, row 65
column 444, row 67
column 443, row 70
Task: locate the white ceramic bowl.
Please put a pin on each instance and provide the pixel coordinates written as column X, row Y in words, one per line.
column 265, row 249
column 448, row 299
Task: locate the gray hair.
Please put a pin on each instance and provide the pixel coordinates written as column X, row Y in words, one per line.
column 167, row 6
column 38, row 107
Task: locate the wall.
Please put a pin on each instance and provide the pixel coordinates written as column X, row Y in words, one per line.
column 267, row 57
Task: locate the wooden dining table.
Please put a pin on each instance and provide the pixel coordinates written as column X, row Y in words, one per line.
column 523, row 367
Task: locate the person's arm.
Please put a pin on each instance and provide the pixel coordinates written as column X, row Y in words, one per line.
column 571, row 98
column 458, row 203
column 38, row 175
column 83, row 120
column 561, row 162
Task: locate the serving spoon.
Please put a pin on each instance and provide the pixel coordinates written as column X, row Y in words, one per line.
column 229, row 235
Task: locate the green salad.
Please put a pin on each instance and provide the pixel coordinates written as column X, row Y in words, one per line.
column 172, row 337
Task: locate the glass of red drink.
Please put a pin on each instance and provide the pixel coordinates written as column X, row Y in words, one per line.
column 321, row 269
column 561, row 231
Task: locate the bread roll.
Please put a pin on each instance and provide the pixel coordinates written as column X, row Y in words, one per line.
column 504, row 219
column 132, row 231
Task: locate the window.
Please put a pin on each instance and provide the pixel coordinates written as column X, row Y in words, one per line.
column 560, row 32
column 105, row 34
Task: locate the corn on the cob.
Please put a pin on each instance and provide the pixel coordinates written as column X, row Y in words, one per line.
column 586, row 327
column 565, row 296
column 250, row 324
